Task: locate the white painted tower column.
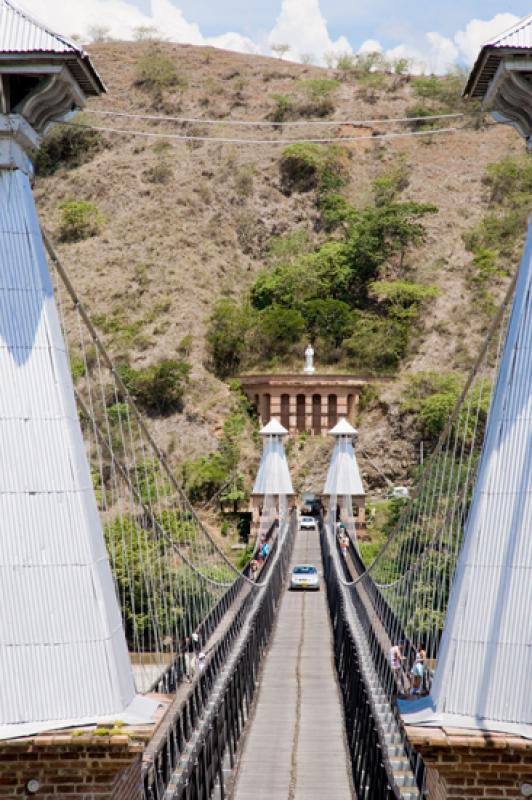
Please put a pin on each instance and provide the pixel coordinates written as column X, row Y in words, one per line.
column 63, row 652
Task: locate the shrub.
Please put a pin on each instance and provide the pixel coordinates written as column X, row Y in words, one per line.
column 309, row 166
column 161, row 172
column 319, row 87
column 284, row 106
column 335, row 211
column 243, row 178
column 330, row 320
column 286, row 248
column 318, row 101
column 288, row 284
column 79, row 220
column 227, row 336
column 66, row 146
column 185, row 345
column 418, row 114
column 388, row 186
column 301, row 166
column 156, row 72
column 445, row 90
column 204, row 476
column 377, row 343
column 278, row 329
column 77, row 367
column 433, row 396
column 402, row 298
column 510, row 181
column 498, row 231
column 158, row 388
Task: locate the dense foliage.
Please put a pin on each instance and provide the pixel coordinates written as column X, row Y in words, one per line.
column 494, row 240
column 157, row 388
column 334, row 295
column 217, row 473
column 151, row 598
column 67, row 147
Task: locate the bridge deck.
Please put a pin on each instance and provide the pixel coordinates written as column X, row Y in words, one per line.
column 295, row 748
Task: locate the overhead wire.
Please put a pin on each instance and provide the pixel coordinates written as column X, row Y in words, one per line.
column 283, row 124
column 191, row 137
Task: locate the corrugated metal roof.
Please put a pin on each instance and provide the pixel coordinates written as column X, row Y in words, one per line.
column 514, row 41
column 63, row 653
column 23, row 35
column 273, row 476
column 484, row 671
column 20, row 33
column 273, row 428
column 519, row 35
column 343, row 476
column 343, row 428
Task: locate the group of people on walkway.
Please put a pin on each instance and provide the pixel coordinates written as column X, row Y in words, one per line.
column 416, row 680
column 257, row 562
column 343, row 538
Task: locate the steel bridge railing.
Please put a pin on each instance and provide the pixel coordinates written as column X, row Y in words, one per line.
column 185, row 760
column 380, row 612
column 370, row 773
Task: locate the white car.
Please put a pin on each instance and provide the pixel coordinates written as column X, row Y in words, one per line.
column 307, row 523
column 304, row 576
column 402, row 492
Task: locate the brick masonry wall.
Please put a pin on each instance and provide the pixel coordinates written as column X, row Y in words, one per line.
column 101, row 770
column 469, row 767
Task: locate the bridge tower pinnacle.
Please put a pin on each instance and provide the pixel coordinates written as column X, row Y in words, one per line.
column 343, row 484
column 63, row 653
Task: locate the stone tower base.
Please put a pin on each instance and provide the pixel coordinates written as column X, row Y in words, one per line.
column 464, row 765
column 69, row 767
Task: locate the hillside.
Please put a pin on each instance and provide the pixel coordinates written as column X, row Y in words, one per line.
column 187, row 223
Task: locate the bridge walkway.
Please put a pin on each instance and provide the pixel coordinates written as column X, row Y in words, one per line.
column 295, row 748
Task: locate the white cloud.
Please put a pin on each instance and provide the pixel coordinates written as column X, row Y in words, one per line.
column 121, row 18
column 370, row 46
column 477, row 32
column 433, row 53
column 302, row 26
column 234, row 41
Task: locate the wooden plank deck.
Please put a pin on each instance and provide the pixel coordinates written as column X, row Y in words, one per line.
column 295, row 748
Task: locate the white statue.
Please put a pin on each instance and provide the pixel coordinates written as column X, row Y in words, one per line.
column 309, row 361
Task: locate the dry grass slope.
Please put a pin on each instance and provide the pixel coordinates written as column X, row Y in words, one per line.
column 188, row 223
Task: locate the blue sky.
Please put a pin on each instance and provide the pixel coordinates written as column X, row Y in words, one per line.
column 389, row 21
column 433, row 36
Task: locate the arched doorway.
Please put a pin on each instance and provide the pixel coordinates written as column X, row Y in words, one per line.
column 332, row 413
column 316, row 413
column 300, row 413
column 285, row 411
column 265, row 408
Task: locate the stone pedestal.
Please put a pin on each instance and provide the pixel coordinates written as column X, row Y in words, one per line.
column 463, row 765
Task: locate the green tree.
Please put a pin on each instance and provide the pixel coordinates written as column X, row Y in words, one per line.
column 377, row 343
column 227, row 336
column 328, row 319
column 402, row 298
column 278, row 329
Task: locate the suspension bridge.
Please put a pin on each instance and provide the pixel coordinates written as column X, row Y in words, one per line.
column 138, row 662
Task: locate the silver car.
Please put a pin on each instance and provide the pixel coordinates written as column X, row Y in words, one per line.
column 308, row 523
column 305, row 576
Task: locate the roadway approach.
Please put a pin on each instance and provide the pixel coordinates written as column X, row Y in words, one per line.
column 295, row 747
